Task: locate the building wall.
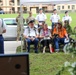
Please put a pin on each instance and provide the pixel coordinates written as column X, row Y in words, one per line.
column 13, row 6
column 6, row 7
column 69, row 7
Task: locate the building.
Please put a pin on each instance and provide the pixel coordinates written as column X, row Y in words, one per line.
column 13, row 6
column 66, row 7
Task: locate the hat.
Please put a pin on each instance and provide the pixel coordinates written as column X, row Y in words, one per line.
column 54, row 9
column 40, row 9
column 31, row 21
column 66, row 12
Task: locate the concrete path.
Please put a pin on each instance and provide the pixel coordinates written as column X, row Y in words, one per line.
column 10, row 46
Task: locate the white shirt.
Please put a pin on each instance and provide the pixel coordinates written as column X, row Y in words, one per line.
column 54, row 18
column 30, row 31
column 67, row 18
column 2, row 27
column 41, row 17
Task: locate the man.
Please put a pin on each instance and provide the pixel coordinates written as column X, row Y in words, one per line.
column 19, row 25
column 31, row 35
column 41, row 17
column 61, row 36
column 29, row 17
column 66, row 18
column 2, row 30
column 55, row 18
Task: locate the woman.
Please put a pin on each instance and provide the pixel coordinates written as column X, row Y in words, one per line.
column 61, row 36
column 45, row 36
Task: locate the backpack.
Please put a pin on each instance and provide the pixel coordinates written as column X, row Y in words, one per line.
column 29, row 29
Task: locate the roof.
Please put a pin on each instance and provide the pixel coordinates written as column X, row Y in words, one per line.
column 34, row 2
column 72, row 2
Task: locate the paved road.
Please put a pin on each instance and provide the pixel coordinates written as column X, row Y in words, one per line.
column 10, row 46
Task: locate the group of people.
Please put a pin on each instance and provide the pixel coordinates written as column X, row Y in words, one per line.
column 47, row 37
column 58, row 34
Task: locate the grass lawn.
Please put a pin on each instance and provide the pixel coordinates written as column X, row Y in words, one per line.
column 73, row 15
column 47, row 64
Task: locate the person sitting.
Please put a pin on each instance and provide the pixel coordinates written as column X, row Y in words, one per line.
column 45, row 36
column 41, row 26
column 31, row 35
column 61, row 36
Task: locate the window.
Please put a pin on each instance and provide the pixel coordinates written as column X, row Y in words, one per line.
column 0, row 0
column 44, row 8
column 68, row 6
column 73, row 7
column 18, row 2
column 62, row 7
column 24, row 9
column 58, row 7
column 10, row 22
column 12, row 1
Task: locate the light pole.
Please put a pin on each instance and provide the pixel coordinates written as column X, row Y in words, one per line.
column 22, row 26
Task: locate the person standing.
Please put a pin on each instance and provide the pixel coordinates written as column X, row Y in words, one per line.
column 41, row 17
column 55, row 18
column 66, row 18
column 2, row 30
column 19, row 25
column 30, row 17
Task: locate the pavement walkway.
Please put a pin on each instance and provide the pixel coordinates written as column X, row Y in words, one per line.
column 10, row 46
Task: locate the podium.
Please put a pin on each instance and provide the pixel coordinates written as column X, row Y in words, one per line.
column 14, row 64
